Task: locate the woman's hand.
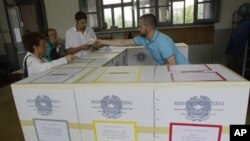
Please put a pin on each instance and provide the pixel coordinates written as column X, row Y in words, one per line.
column 70, row 58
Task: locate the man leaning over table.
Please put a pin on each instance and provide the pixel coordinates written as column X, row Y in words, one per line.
column 160, row 46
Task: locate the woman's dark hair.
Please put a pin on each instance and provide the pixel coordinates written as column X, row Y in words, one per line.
column 80, row 15
column 32, row 38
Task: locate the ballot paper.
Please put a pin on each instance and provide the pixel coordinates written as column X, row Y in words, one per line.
column 91, row 42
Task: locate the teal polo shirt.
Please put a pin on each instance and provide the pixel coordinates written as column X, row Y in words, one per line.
column 161, row 47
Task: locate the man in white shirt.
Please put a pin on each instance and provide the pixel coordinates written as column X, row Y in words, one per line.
column 77, row 37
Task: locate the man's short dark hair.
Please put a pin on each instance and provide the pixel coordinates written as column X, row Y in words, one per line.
column 80, row 15
column 149, row 19
column 32, row 38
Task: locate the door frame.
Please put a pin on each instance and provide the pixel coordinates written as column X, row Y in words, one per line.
column 12, row 54
column 40, row 11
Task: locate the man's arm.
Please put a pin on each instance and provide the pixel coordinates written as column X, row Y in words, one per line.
column 77, row 49
column 118, row 42
column 171, row 60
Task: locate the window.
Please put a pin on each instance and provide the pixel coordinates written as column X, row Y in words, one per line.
column 146, row 7
column 189, row 11
column 164, row 11
column 118, row 13
column 178, row 12
column 90, row 7
column 124, row 13
column 207, row 10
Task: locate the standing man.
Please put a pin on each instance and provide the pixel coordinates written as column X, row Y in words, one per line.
column 77, row 37
column 160, row 46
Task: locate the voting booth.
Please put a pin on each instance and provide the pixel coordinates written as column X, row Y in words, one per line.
column 95, row 99
column 116, row 103
column 46, row 105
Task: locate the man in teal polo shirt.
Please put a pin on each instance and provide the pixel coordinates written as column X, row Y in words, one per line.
column 160, row 46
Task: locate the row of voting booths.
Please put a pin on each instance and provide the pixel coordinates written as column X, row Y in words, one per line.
column 96, row 99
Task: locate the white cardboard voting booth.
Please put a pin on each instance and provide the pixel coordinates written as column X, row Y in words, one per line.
column 130, row 103
column 204, row 95
column 46, row 105
column 116, row 104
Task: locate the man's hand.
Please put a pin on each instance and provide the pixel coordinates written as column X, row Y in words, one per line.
column 171, row 60
column 103, row 42
column 98, row 45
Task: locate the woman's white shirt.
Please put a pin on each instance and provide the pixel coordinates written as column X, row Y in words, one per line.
column 36, row 65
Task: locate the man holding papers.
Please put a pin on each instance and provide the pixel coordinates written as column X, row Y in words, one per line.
column 80, row 38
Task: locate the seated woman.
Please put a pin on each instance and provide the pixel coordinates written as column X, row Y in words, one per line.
column 34, row 63
column 55, row 48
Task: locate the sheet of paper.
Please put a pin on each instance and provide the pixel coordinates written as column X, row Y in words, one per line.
column 195, row 132
column 52, row 79
column 51, row 130
column 197, row 76
column 66, row 71
column 108, row 131
column 91, row 42
column 187, row 68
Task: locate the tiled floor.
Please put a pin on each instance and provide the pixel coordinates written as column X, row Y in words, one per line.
column 10, row 129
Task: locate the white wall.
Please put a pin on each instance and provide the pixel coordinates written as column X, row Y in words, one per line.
column 61, row 14
column 3, row 19
column 226, row 12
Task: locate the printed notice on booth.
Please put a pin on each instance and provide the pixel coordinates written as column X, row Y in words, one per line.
column 51, row 130
column 194, row 132
column 115, row 131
